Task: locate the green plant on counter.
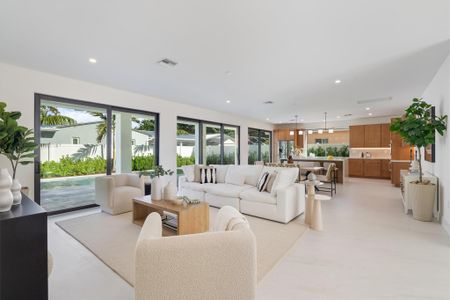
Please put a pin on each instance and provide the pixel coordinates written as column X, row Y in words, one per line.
column 418, row 127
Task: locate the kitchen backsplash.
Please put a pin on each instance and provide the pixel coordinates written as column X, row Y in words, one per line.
column 378, row 153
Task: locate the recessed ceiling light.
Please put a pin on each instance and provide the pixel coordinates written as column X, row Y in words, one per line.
column 92, row 60
column 228, row 101
column 267, row 119
column 338, row 117
column 370, row 114
column 302, row 120
column 337, row 81
column 367, row 108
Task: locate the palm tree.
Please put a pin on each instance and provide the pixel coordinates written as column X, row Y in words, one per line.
column 51, row 116
column 102, row 129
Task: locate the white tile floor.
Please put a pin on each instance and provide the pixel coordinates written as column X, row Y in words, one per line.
column 369, row 250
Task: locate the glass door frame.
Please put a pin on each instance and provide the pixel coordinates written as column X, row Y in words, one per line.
column 222, row 146
column 38, row 98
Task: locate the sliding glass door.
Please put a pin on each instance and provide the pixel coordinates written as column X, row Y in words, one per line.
column 80, row 141
column 259, row 146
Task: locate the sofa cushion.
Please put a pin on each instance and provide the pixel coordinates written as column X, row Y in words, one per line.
column 226, row 190
column 251, row 172
column 197, row 172
column 221, row 172
column 285, row 177
column 253, row 195
column 189, row 172
column 195, row 186
column 235, row 177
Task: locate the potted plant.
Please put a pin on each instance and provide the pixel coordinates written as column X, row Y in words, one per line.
column 158, row 182
column 17, row 145
column 417, row 128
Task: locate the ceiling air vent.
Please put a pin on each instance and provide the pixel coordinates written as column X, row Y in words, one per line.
column 374, row 100
column 167, row 62
column 268, row 102
column 347, row 115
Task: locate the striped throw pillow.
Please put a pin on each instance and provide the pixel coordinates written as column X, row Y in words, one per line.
column 262, row 181
column 208, row 175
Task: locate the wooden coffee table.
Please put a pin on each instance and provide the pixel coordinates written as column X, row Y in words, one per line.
column 193, row 218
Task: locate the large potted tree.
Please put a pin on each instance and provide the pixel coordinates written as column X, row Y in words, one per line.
column 417, row 128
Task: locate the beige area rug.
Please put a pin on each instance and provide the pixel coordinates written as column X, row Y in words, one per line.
column 113, row 238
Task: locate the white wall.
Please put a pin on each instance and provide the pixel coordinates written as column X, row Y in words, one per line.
column 438, row 94
column 18, row 85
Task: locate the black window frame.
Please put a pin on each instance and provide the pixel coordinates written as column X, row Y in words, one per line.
column 38, row 98
column 260, row 134
column 222, row 146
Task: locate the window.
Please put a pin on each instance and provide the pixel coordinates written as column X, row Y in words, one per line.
column 206, row 142
column 259, row 145
column 76, row 140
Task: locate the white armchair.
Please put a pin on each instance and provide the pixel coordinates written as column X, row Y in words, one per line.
column 115, row 193
column 212, row 265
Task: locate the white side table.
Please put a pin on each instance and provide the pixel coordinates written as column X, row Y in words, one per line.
column 316, row 218
column 310, row 195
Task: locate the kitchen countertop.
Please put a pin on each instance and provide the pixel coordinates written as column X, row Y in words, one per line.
column 320, row 159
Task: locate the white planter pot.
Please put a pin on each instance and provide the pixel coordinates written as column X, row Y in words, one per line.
column 158, row 184
column 15, row 190
column 6, row 197
column 422, row 198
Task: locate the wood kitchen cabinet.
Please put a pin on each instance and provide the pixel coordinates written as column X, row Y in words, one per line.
column 283, row 135
column 298, row 140
column 385, row 136
column 372, row 168
column 385, row 169
column 357, row 136
column 355, row 167
column 372, row 136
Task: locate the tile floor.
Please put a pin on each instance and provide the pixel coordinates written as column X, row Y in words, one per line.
column 369, row 250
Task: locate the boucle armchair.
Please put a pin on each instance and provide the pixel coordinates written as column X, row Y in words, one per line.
column 115, row 193
column 212, row 265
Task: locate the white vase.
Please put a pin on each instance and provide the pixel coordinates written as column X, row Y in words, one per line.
column 6, row 197
column 15, row 190
column 157, row 188
column 170, row 192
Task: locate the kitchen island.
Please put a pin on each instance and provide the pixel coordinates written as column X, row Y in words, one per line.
column 341, row 165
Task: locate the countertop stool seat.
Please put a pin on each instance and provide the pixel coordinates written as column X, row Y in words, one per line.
column 316, row 218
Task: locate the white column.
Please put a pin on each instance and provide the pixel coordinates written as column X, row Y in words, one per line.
column 123, row 143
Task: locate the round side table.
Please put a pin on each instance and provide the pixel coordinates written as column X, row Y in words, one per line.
column 309, row 201
column 316, row 218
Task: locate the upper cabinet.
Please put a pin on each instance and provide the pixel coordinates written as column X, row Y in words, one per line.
column 357, row 133
column 385, row 136
column 372, row 136
column 283, row 135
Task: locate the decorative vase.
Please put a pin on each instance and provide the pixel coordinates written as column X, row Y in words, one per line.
column 16, row 192
column 170, row 192
column 422, row 198
column 6, row 197
column 157, row 188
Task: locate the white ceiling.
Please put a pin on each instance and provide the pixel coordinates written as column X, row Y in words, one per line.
column 289, row 52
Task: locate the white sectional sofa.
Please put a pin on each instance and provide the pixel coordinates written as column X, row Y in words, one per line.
column 285, row 201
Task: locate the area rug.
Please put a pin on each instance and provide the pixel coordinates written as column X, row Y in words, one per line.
column 113, row 238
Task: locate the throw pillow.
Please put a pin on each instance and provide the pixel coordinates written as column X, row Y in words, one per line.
column 262, row 181
column 208, row 175
column 188, row 171
column 197, row 172
column 270, row 181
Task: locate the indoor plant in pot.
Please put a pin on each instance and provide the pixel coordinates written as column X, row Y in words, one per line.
column 18, row 146
column 158, row 182
column 417, row 128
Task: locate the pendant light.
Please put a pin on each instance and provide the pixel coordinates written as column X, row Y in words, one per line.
column 330, row 130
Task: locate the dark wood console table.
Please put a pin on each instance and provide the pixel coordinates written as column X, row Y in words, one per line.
column 23, row 252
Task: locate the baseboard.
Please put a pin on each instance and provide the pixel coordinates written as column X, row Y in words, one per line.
column 446, row 225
